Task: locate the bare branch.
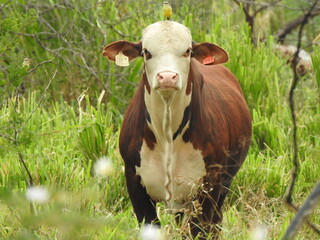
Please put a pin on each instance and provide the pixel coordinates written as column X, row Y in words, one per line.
column 60, row 47
column 287, row 29
column 12, row 40
column 4, row 4
column 23, row 164
column 310, row 204
column 39, row 102
column 246, row 5
column 277, row 4
column 6, row 137
column 33, row 35
column 44, row 62
column 88, row 67
column 294, row 209
column 292, row 105
column 263, row 7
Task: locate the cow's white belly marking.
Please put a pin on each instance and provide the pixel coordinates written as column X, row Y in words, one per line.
column 176, row 181
column 173, row 169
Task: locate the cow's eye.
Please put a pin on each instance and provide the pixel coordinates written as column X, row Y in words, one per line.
column 187, row 53
column 147, row 54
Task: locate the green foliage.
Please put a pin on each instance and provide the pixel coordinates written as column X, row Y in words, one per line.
column 316, row 63
column 10, row 49
column 60, row 131
column 92, row 141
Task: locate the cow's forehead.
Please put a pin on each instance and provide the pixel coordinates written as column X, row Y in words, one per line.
column 166, row 32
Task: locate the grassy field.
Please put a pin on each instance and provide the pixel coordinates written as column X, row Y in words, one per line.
column 66, row 113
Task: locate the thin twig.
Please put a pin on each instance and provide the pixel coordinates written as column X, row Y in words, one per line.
column 59, row 49
column 309, row 205
column 39, row 102
column 87, row 66
column 6, row 137
column 4, row 4
column 23, row 163
column 311, row 202
column 263, row 7
column 17, row 131
column 12, row 40
column 294, row 209
column 21, row 160
column 273, row 4
column 292, row 105
column 33, row 35
column 290, row 26
column 29, row 180
column 248, row 7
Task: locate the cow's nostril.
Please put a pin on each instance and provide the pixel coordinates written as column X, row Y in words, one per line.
column 159, row 76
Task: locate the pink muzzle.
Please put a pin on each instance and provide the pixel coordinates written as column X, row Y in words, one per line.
column 167, row 79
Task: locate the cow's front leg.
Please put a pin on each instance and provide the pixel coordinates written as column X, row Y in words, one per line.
column 144, row 207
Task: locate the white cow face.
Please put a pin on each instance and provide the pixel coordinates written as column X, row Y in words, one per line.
column 167, row 49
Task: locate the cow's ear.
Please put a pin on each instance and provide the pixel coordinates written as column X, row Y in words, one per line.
column 209, row 53
column 128, row 49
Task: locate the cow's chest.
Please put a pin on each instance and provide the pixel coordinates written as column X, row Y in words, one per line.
column 171, row 172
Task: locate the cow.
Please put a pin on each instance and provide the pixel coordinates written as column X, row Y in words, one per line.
column 187, row 130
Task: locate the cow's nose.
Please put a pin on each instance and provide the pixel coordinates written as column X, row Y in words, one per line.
column 167, row 79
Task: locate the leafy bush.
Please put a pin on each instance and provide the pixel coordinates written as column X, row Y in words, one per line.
column 62, row 104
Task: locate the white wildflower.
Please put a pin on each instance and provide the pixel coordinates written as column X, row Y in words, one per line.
column 103, row 167
column 37, row 194
column 151, row 232
column 259, row 232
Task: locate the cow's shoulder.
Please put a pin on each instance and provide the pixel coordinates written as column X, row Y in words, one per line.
column 219, row 75
column 135, row 128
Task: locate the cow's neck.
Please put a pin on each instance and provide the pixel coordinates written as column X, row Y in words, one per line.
column 166, row 112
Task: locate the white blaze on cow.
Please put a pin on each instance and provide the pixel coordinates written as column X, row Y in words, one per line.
column 167, row 54
column 187, row 129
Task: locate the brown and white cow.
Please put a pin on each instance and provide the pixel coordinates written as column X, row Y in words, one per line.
column 187, row 129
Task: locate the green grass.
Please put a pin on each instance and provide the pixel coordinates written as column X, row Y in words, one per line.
column 79, row 118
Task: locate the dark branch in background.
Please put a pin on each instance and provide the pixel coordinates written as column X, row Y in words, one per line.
column 292, row 104
column 18, row 129
column 29, row 180
column 311, row 225
column 15, row 140
column 24, row 166
column 39, row 102
column 281, row 35
column 295, row 81
column 247, row 6
column 53, row 39
column 308, row 207
column 59, row 49
column 4, row 4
